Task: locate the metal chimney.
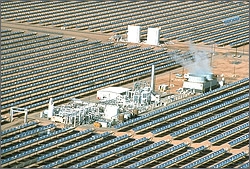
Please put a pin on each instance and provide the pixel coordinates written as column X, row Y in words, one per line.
column 50, row 108
column 153, row 78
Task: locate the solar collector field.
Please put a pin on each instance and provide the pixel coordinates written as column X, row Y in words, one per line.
column 209, row 130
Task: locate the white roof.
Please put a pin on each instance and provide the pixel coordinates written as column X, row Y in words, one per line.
column 114, row 89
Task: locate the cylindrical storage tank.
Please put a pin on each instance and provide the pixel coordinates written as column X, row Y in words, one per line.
column 111, row 111
column 103, row 124
column 135, row 112
column 96, row 124
column 121, row 117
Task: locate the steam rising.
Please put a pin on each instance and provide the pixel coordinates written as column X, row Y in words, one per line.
column 201, row 62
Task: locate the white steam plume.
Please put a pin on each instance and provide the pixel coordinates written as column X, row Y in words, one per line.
column 201, row 62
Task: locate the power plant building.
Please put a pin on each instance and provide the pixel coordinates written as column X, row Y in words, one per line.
column 200, row 83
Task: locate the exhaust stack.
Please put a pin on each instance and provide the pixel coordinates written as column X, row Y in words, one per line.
column 50, row 108
column 153, row 78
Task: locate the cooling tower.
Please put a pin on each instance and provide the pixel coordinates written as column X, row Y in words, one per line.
column 201, row 83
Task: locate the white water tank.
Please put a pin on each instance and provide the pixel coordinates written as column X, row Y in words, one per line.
column 134, row 33
column 103, row 123
column 153, row 36
column 111, row 112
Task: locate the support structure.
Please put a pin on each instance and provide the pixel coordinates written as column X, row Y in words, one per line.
column 18, row 110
